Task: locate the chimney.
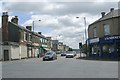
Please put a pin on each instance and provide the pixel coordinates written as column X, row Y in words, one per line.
column 15, row 20
column 29, row 27
column 5, row 26
column 112, row 9
column 39, row 33
column 103, row 14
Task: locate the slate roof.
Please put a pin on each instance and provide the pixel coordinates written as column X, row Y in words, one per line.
column 113, row 14
column 23, row 28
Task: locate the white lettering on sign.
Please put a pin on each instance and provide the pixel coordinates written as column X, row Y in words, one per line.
column 113, row 37
column 94, row 40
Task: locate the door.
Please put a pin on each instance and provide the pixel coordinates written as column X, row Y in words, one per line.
column 6, row 55
column 118, row 49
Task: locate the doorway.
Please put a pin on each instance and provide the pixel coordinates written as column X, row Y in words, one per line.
column 6, row 55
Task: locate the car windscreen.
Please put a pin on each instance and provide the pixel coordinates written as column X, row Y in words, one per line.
column 69, row 53
column 48, row 54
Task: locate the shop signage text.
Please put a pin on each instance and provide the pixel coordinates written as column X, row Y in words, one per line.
column 94, row 40
column 113, row 37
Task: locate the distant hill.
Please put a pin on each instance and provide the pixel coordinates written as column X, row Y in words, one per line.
column 76, row 50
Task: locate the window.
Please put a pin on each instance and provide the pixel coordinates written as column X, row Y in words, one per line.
column 106, row 29
column 95, row 32
column 41, row 40
column 30, row 37
column 24, row 36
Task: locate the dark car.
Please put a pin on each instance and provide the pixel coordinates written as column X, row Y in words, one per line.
column 50, row 56
column 63, row 54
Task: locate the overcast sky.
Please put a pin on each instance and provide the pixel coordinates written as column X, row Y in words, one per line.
column 58, row 18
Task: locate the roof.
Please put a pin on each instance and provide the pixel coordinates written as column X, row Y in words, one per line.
column 113, row 14
column 23, row 28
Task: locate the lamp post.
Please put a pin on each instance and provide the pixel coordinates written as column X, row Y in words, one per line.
column 85, row 27
column 57, row 36
column 33, row 24
column 85, row 34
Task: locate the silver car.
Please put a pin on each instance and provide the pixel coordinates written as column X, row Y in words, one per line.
column 50, row 56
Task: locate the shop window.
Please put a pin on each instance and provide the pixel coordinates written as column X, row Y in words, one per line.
column 95, row 49
column 106, row 29
column 108, row 49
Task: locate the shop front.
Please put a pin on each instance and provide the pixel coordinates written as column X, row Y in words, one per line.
column 107, row 47
column 94, row 47
column 110, row 46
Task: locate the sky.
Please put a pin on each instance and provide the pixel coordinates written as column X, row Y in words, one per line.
column 58, row 17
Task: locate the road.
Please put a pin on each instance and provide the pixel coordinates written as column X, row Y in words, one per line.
column 60, row 68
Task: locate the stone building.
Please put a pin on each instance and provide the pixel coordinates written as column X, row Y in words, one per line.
column 20, row 42
column 104, row 35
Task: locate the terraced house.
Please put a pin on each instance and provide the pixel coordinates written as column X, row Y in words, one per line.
column 20, row 42
column 104, row 35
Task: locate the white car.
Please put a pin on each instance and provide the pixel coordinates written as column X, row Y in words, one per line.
column 70, row 55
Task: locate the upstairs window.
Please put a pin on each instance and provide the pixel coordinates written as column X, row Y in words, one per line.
column 24, row 36
column 106, row 29
column 95, row 32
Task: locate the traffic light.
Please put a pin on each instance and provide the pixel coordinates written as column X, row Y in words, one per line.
column 80, row 45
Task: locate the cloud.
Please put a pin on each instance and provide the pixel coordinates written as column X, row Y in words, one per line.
column 67, row 28
column 61, row 1
column 58, row 19
column 59, row 8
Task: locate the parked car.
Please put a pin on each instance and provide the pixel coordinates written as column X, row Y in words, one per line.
column 50, row 56
column 63, row 54
column 74, row 53
column 70, row 55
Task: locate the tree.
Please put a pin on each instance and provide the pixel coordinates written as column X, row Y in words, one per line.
column 70, row 49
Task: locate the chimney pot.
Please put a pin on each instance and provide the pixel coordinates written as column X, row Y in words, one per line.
column 29, row 27
column 5, row 13
column 15, row 19
column 103, row 14
column 39, row 33
column 112, row 9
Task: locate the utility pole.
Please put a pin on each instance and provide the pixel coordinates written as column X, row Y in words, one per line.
column 85, row 29
column 33, row 26
column 85, row 36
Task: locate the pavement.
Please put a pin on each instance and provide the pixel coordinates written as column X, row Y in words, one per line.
column 60, row 68
column 0, row 70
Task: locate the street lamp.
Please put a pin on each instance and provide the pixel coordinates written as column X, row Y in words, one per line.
column 34, row 24
column 85, row 35
column 85, row 28
column 57, row 36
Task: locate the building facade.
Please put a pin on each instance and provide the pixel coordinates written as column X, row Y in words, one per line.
column 104, row 35
column 55, row 45
column 43, row 46
column 16, row 38
column 1, row 44
column 60, row 47
column 49, row 43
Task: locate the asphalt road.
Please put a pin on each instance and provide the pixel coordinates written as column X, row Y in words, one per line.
column 60, row 68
